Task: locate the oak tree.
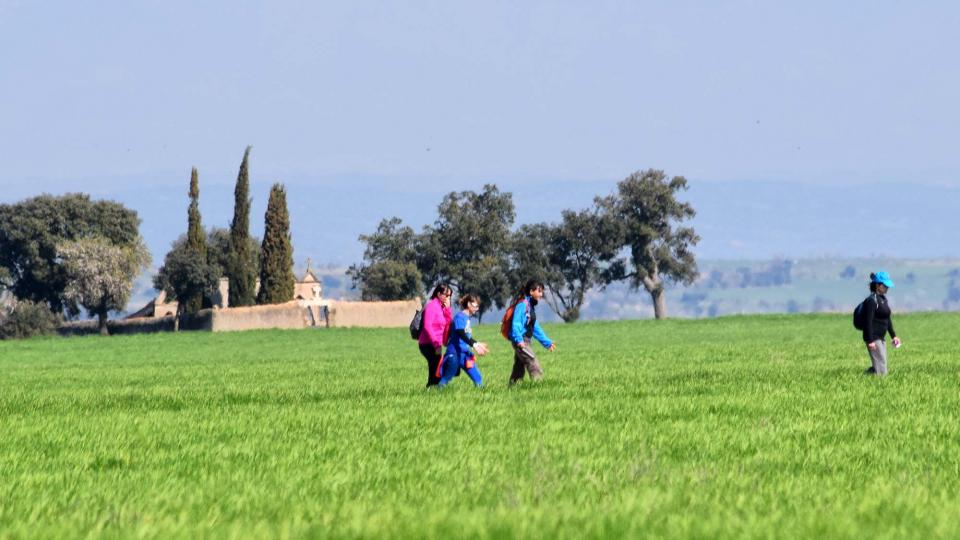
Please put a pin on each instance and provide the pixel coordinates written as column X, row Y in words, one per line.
column 659, row 245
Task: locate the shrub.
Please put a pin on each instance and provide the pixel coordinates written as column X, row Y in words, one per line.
column 25, row 319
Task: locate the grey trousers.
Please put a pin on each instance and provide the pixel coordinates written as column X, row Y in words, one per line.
column 878, row 358
column 525, row 360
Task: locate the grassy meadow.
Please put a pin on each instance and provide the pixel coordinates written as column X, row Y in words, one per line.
column 733, row 427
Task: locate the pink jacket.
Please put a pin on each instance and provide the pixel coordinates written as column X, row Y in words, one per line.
column 436, row 324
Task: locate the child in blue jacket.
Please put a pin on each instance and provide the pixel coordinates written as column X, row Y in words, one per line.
column 459, row 355
column 523, row 329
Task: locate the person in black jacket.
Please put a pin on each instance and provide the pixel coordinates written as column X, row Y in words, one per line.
column 877, row 322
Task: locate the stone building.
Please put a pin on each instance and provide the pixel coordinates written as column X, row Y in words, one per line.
column 307, row 309
column 307, row 291
column 308, row 287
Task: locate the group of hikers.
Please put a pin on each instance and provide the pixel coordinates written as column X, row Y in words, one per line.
column 439, row 326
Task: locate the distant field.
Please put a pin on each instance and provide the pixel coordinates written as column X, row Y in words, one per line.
column 758, row 426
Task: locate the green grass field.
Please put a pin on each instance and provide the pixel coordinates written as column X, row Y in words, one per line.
column 758, row 426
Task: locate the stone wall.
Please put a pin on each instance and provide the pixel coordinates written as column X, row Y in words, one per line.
column 292, row 315
column 371, row 314
column 289, row 315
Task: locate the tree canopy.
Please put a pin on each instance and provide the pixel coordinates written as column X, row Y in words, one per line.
column 389, row 270
column 32, row 229
column 528, row 255
column 196, row 242
column 276, row 253
column 218, row 255
column 570, row 257
column 635, row 234
column 100, row 274
column 468, row 245
column 186, row 274
column 240, row 266
column 660, row 248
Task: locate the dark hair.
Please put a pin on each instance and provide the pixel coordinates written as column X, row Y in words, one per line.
column 873, row 282
column 466, row 299
column 441, row 288
column 532, row 285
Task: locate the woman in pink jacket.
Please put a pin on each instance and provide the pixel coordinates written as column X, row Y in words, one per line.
column 436, row 325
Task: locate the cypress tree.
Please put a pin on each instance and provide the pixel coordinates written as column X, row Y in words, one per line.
column 196, row 238
column 241, row 264
column 276, row 253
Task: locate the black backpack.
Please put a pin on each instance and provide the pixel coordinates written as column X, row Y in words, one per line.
column 416, row 324
column 858, row 319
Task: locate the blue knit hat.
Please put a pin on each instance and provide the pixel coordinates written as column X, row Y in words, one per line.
column 883, row 278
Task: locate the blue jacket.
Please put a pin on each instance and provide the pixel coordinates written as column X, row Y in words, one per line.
column 518, row 327
column 461, row 335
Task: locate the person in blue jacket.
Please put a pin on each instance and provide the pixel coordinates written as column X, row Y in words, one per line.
column 524, row 328
column 462, row 349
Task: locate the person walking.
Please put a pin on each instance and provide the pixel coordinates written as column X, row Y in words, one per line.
column 436, row 324
column 524, row 328
column 462, row 349
column 877, row 322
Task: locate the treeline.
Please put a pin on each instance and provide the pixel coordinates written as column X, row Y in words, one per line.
column 192, row 269
column 635, row 235
column 59, row 255
column 62, row 254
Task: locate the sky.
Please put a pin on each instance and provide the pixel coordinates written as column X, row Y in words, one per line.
column 114, row 98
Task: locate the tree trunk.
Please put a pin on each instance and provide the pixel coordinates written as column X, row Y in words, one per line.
column 102, row 323
column 570, row 314
column 654, row 285
column 567, row 310
column 659, row 303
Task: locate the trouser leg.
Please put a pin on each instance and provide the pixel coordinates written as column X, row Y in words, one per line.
column 518, row 365
column 449, row 369
column 517, row 374
column 475, row 376
column 525, row 361
column 878, row 357
column 536, row 372
column 433, row 363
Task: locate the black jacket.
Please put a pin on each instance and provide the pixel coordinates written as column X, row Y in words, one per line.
column 876, row 318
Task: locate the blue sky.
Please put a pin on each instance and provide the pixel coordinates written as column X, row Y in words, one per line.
column 109, row 96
